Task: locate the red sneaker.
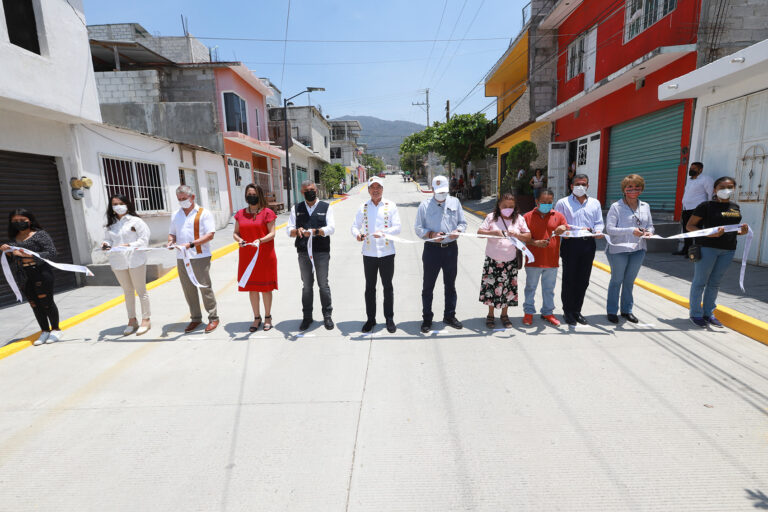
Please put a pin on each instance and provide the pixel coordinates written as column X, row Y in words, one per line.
column 552, row 320
column 528, row 319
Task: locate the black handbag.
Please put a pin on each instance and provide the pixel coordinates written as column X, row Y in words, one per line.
column 694, row 252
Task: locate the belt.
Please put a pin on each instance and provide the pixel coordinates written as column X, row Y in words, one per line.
column 442, row 245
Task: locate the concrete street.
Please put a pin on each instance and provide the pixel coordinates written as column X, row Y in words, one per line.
column 654, row 416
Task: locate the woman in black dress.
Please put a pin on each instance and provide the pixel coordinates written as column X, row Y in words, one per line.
column 34, row 276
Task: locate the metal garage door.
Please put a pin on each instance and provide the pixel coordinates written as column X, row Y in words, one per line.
column 648, row 146
column 32, row 182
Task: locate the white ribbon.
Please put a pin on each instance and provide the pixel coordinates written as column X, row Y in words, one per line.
column 249, row 269
column 578, row 232
column 66, row 267
column 519, row 244
column 309, row 252
column 188, row 266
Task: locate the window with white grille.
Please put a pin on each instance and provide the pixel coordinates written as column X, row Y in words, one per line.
column 142, row 182
column 641, row 14
column 576, row 57
column 582, row 152
column 213, row 191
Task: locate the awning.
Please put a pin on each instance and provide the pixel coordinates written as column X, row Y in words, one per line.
column 130, row 54
column 645, row 65
column 255, row 144
column 524, row 133
column 742, row 65
column 559, row 13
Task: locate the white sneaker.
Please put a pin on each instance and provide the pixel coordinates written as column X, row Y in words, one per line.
column 42, row 338
column 54, row 337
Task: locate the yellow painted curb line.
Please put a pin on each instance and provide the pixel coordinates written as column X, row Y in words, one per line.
column 739, row 322
column 26, row 342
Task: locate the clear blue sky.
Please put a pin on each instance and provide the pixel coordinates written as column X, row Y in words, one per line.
column 375, row 79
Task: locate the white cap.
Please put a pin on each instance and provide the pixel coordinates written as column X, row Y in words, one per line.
column 375, row 179
column 440, row 184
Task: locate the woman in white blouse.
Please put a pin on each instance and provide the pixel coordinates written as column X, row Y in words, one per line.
column 125, row 233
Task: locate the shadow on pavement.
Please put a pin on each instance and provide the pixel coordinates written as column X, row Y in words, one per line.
column 759, row 497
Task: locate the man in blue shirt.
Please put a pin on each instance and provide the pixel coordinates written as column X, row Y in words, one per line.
column 440, row 217
column 581, row 212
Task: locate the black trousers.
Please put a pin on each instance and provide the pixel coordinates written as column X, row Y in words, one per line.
column 38, row 289
column 384, row 267
column 436, row 258
column 577, row 255
column 684, row 218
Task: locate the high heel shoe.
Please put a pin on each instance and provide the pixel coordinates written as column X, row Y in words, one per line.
column 256, row 327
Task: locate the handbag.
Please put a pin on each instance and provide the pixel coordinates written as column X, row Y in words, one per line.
column 694, row 252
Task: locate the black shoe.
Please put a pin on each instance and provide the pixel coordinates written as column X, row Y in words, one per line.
column 453, row 322
column 680, row 253
column 305, row 324
column 579, row 318
column 391, row 327
column 569, row 319
column 328, row 323
column 629, row 316
column 368, row 326
column 613, row 319
column 426, row 327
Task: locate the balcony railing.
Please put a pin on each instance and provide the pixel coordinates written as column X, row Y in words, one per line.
column 493, row 126
column 526, row 13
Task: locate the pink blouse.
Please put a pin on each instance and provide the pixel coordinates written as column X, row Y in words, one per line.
column 499, row 249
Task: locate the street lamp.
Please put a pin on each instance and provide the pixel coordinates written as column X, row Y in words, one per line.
column 285, row 130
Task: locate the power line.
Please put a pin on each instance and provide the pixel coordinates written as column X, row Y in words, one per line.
column 455, row 51
column 285, row 42
column 347, row 41
column 437, row 33
column 445, row 48
column 352, row 63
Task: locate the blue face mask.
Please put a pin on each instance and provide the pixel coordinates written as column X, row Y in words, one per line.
column 545, row 207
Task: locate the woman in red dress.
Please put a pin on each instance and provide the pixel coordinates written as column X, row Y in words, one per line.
column 256, row 223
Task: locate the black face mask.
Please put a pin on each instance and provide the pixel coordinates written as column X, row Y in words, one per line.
column 310, row 195
column 20, row 225
column 252, row 200
column 692, row 173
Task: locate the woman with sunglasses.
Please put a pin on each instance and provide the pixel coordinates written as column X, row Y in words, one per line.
column 628, row 224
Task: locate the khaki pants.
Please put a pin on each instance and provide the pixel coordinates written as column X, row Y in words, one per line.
column 134, row 280
column 201, row 268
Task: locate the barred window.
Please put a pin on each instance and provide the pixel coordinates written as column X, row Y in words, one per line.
column 142, row 182
column 576, row 57
column 641, row 14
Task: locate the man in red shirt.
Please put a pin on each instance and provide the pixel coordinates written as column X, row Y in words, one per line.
column 545, row 225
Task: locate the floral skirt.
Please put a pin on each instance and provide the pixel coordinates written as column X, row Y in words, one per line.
column 498, row 287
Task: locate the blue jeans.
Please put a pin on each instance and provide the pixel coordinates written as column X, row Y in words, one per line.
column 707, row 274
column 548, row 277
column 624, row 269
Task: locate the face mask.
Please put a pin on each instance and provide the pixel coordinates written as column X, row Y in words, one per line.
column 20, row 225
column 507, row 212
column 632, row 193
column 185, row 203
column 442, row 196
column 545, row 207
column 580, row 191
column 252, row 200
column 692, row 173
column 119, row 209
column 725, row 193
column 310, row 195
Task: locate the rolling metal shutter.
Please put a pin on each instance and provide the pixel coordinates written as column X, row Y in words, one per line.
column 32, row 182
column 648, row 146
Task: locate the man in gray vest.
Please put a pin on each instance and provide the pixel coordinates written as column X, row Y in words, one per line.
column 313, row 218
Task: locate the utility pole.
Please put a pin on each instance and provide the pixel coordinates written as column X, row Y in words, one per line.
column 424, row 104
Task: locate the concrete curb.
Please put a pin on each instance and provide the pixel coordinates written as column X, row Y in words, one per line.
column 27, row 341
column 735, row 320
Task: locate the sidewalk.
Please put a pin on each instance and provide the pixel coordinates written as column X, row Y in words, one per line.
column 18, row 320
column 675, row 274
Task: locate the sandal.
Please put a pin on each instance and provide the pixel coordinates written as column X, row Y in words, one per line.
column 490, row 322
column 505, row 321
column 267, row 325
column 254, row 328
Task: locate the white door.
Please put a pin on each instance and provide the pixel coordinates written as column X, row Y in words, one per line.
column 588, row 160
column 557, row 168
column 590, row 58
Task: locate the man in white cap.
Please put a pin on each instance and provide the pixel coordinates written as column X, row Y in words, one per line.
column 440, row 217
column 376, row 218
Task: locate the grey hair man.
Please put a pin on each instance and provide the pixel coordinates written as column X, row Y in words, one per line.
column 193, row 227
column 313, row 219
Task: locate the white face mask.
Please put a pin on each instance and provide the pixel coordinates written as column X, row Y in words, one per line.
column 579, row 190
column 441, row 196
column 725, row 193
column 185, row 203
column 119, row 209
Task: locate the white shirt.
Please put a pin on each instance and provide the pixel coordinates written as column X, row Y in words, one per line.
column 183, row 228
column 371, row 218
column 330, row 223
column 127, row 230
column 697, row 191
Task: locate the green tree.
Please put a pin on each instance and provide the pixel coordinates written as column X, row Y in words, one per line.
column 411, row 162
column 373, row 164
column 332, row 175
column 520, row 157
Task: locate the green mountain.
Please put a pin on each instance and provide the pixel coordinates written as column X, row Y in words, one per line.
column 384, row 137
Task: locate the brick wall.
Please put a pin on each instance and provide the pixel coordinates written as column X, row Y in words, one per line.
column 745, row 22
column 128, row 86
